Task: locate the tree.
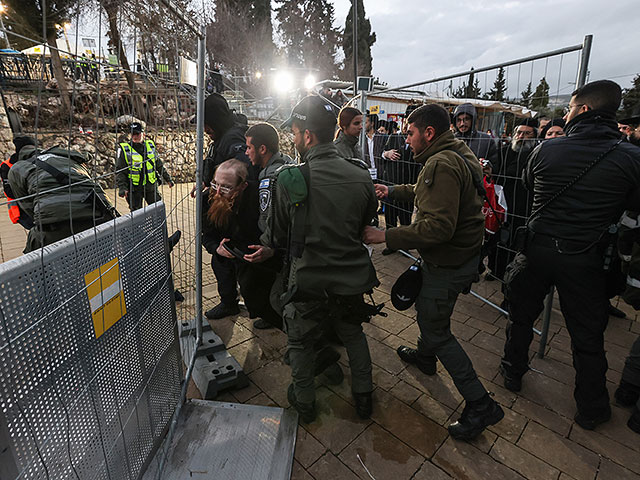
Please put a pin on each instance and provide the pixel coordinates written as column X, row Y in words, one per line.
column 631, row 99
column 525, row 96
column 499, row 87
column 366, row 38
column 29, row 16
column 308, row 36
column 540, row 97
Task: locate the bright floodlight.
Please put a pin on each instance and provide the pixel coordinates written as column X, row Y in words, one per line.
column 3, row 8
column 258, row 75
column 283, row 82
column 309, row 82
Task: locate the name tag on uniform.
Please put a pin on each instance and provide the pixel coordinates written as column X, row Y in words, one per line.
column 374, row 173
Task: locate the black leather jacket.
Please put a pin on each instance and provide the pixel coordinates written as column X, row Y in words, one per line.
column 232, row 144
column 598, row 199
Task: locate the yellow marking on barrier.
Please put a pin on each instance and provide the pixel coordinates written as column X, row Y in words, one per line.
column 374, row 109
column 106, row 296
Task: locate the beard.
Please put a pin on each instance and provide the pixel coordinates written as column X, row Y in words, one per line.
column 220, row 210
column 523, row 145
column 634, row 138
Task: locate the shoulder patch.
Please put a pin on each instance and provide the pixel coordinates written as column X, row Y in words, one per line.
column 264, row 183
column 358, row 163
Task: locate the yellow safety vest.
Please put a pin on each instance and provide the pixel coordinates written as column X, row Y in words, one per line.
column 135, row 161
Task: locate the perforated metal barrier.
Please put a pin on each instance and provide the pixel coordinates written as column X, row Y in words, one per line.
column 90, row 366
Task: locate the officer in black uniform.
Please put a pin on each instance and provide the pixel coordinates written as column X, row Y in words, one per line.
column 568, row 236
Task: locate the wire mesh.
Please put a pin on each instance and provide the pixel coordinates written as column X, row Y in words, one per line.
column 120, row 63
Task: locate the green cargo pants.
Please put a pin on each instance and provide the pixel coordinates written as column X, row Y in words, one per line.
column 440, row 289
column 303, row 324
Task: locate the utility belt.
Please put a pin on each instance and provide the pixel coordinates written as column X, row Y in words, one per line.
column 78, row 225
column 561, row 245
column 345, row 308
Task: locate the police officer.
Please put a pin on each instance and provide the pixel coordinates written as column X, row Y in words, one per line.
column 263, row 151
column 227, row 135
column 318, row 213
column 57, row 212
column 447, row 232
column 581, row 185
column 138, row 167
column 348, row 135
column 16, row 212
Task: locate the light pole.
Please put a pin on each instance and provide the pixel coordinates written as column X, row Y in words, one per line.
column 3, row 8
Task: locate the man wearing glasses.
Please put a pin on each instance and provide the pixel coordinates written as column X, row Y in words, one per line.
column 581, row 184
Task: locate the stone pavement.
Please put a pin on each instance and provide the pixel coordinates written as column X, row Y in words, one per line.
column 406, row 438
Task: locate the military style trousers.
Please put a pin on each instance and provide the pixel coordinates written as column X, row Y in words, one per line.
column 581, row 283
column 303, row 324
column 149, row 193
column 42, row 235
column 435, row 302
column 631, row 371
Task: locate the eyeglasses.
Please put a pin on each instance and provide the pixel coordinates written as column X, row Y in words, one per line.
column 224, row 190
column 567, row 109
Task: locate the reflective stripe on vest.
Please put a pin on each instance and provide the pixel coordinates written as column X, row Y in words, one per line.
column 135, row 161
column 12, row 205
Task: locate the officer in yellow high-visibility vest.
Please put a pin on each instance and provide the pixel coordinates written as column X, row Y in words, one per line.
column 139, row 170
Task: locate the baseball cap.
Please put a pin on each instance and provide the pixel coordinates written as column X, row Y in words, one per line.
column 313, row 112
column 136, row 127
column 407, row 287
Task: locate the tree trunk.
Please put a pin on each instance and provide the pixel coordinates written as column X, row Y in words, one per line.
column 58, row 73
column 111, row 7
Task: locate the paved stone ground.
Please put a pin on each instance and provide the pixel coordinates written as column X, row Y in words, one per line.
column 406, row 438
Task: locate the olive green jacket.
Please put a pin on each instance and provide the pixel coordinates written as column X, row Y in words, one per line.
column 266, row 175
column 449, row 225
column 348, row 146
column 341, row 201
column 50, row 203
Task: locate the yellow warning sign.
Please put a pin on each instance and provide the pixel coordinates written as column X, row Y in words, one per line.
column 374, row 109
column 106, row 297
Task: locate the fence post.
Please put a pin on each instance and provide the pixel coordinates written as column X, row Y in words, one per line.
column 584, row 61
column 363, row 133
column 199, row 169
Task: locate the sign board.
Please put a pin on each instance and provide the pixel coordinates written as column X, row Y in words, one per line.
column 365, row 84
column 374, row 109
column 188, row 72
column 106, row 297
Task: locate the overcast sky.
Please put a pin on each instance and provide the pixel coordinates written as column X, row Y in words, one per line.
column 420, row 39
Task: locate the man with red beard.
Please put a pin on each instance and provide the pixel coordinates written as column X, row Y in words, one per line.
column 232, row 213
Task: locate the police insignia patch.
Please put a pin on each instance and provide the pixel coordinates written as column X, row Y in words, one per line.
column 265, row 197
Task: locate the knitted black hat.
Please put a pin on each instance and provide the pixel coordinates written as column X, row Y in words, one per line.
column 217, row 114
column 22, row 141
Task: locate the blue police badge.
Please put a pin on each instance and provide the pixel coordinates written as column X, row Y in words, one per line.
column 264, row 194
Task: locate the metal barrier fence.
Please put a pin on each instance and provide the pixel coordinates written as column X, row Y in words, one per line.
column 89, row 352
column 510, row 96
column 93, row 117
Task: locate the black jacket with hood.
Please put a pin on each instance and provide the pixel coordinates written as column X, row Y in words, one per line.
column 584, row 211
column 481, row 144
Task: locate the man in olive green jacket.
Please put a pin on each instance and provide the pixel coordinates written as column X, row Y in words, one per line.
column 318, row 214
column 447, row 231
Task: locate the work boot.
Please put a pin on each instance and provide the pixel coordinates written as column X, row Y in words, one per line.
column 222, row 310
column 615, row 312
column 512, row 383
column 590, row 423
column 364, row 404
column 634, row 421
column 627, row 394
column 174, row 239
column 262, row 324
column 476, row 416
column 178, row 296
column 410, row 355
column 387, row 251
column 307, row 412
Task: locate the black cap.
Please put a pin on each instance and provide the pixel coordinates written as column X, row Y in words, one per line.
column 22, row 141
column 633, row 119
column 136, row 127
column 217, row 114
column 529, row 122
column 405, row 291
column 313, row 112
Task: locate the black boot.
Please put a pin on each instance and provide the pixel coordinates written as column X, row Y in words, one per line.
column 476, row 416
column 364, row 404
column 178, row 296
column 616, row 312
column 222, row 310
column 410, row 355
column 306, row 411
column 511, row 382
column 591, row 422
column 174, row 239
column 627, row 394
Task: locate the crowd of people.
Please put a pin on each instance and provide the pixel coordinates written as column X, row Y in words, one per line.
column 293, row 239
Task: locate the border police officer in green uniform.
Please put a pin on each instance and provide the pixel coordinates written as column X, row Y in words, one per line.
column 138, row 167
column 318, row 213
